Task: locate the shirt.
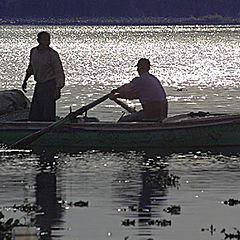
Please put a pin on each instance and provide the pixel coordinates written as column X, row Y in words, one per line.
column 146, row 87
column 46, row 65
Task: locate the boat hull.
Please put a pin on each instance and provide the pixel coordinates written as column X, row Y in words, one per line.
column 203, row 133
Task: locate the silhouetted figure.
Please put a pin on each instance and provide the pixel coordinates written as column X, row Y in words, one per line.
column 148, row 89
column 47, row 69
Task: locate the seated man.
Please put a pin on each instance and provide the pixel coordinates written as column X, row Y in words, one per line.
column 150, row 93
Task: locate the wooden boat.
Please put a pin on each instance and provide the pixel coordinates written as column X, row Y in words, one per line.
column 181, row 131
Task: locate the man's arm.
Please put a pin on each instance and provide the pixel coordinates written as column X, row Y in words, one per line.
column 127, row 91
column 29, row 73
column 24, row 85
column 59, row 75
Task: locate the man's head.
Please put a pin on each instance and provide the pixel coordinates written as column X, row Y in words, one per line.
column 43, row 38
column 143, row 66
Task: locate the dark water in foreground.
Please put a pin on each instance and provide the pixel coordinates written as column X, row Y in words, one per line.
column 124, row 187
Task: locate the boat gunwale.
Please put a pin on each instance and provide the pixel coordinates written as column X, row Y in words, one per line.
column 116, row 127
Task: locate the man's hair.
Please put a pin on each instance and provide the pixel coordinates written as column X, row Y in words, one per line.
column 144, row 63
column 40, row 34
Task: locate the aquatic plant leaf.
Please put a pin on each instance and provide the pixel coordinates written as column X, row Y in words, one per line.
column 16, row 222
column 81, row 204
column 9, row 221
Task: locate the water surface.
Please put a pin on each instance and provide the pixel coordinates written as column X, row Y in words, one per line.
column 199, row 68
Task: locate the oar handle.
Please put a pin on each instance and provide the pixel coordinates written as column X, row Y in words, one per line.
column 124, row 105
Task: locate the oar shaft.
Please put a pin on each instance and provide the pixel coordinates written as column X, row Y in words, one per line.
column 30, row 138
column 90, row 105
column 123, row 105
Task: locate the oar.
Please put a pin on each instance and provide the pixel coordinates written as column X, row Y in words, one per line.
column 124, row 105
column 31, row 138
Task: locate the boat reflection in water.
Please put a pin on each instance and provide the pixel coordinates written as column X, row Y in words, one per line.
column 134, row 183
column 142, row 196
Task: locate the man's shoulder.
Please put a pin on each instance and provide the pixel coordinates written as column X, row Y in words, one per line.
column 33, row 49
column 52, row 51
column 149, row 75
column 135, row 80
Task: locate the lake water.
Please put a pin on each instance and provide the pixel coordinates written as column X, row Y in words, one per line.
column 199, row 68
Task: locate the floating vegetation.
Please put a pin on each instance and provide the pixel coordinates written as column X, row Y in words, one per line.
column 231, row 202
column 156, row 222
column 211, row 229
column 30, row 207
column 174, row 209
column 159, row 222
column 163, row 180
column 128, row 222
column 7, row 226
column 79, row 203
column 134, row 208
column 232, row 235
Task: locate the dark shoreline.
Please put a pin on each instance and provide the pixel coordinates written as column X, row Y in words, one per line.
column 146, row 21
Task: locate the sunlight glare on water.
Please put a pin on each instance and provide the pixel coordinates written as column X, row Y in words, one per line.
column 202, row 62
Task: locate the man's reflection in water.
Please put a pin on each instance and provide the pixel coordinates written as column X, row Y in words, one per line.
column 143, row 190
column 153, row 192
column 47, row 197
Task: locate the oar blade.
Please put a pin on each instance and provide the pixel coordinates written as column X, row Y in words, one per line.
column 25, row 141
column 31, row 138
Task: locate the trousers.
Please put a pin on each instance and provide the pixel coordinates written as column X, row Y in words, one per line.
column 152, row 111
column 43, row 105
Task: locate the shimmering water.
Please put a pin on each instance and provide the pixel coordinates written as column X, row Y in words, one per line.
column 199, row 68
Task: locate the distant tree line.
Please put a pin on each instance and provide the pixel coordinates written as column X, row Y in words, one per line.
column 119, row 8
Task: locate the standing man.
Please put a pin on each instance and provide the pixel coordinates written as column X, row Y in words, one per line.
column 148, row 89
column 47, row 69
